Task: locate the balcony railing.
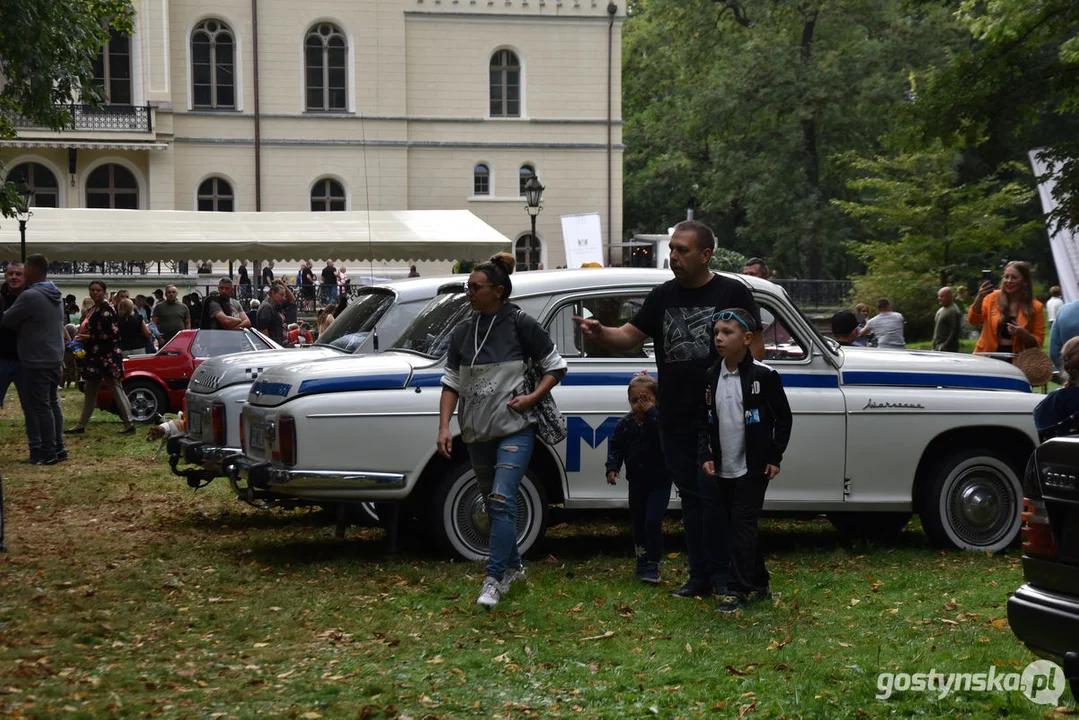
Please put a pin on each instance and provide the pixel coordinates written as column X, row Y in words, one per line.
column 104, row 118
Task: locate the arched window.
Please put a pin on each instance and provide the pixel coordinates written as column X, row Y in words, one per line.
column 523, row 174
column 325, row 68
column 215, row 195
column 213, row 65
column 326, row 195
column 112, row 69
column 40, row 180
column 505, row 84
column 481, row 180
column 527, row 250
column 112, row 186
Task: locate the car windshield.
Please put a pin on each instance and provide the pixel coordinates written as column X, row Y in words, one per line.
column 349, row 331
column 429, row 333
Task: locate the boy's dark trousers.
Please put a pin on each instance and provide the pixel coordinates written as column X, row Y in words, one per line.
column 741, row 500
column 648, row 498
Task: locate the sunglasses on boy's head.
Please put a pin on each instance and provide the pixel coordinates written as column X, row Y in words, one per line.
column 727, row 316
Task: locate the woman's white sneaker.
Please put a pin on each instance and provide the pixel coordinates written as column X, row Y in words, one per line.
column 512, row 575
column 491, row 592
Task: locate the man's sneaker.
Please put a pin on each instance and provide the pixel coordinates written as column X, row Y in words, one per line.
column 513, row 575
column 50, row 460
column 693, row 590
column 730, row 604
column 61, row 456
column 491, row 592
column 648, row 573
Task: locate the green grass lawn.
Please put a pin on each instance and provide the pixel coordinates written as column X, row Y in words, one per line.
column 126, row 594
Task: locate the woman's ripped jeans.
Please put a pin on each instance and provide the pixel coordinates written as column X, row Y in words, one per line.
column 499, row 465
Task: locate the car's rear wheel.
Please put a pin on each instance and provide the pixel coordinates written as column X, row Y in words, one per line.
column 878, row 527
column 146, row 399
column 973, row 501
column 460, row 519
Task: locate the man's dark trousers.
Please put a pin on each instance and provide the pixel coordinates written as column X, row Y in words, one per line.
column 41, row 385
column 704, row 523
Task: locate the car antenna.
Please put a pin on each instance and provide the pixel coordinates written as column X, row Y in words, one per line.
column 367, row 190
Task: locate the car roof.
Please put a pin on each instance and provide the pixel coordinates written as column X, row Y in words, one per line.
column 421, row 288
column 538, row 282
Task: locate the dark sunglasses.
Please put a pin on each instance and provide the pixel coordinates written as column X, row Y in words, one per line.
column 475, row 287
column 727, row 316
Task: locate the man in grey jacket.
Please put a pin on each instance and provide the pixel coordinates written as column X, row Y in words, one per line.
column 37, row 317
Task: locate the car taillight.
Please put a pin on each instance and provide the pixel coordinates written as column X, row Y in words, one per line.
column 217, row 422
column 1037, row 533
column 243, row 435
column 286, row 440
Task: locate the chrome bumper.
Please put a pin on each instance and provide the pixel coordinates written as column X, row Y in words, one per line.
column 209, row 459
column 312, row 485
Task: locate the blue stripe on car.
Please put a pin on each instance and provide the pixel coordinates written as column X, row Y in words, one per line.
column 271, row 388
column 426, row 380
column 976, row 382
column 357, row 382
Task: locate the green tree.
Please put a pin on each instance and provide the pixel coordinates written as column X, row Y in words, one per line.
column 47, row 49
column 1016, row 85
column 927, row 227
column 749, row 100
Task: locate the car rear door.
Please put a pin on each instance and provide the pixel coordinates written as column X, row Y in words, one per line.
column 592, row 396
column 813, row 466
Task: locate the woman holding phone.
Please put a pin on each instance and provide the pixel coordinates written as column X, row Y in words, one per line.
column 1011, row 319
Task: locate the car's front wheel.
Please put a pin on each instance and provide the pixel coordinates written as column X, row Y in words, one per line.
column 460, row 523
column 146, row 399
column 973, row 501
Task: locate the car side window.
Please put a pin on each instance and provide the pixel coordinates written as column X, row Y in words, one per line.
column 780, row 344
column 211, row 343
column 610, row 310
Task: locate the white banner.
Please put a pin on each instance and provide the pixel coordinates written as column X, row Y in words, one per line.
column 583, row 238
column 1062, row 241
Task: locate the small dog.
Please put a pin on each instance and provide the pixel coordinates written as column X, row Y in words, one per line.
column 163, row 430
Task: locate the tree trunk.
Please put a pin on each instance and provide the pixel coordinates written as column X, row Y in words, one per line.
column 812, row 156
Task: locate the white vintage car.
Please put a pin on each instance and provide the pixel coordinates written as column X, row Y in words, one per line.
column 878, row 434
column 219, row 386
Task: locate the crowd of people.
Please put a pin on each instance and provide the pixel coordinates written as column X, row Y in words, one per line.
column 48, row 342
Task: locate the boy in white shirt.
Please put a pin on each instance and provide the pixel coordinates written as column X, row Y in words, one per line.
column 744, row 428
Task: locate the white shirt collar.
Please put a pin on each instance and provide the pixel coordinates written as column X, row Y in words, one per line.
column 724, row 372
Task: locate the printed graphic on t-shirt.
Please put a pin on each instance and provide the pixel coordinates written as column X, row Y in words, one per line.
column 687, row 333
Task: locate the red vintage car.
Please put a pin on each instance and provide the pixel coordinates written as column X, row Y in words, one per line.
column 156, row 383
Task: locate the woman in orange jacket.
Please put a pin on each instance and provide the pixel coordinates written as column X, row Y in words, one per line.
column 1011, row 319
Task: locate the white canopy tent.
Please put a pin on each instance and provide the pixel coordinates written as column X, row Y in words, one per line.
column 74, row 235
column 1062, row 240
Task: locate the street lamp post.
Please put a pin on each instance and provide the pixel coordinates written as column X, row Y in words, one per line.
column 533, row 198
column 22, row 214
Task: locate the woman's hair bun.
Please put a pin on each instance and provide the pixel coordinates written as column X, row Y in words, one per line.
column 505, row 260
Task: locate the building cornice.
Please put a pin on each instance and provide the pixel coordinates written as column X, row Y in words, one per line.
column 400, row 118
column 360, row 142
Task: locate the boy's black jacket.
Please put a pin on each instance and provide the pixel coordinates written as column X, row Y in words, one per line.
column 765, row 409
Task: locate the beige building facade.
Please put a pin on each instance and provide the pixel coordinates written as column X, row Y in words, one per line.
column 352, row 104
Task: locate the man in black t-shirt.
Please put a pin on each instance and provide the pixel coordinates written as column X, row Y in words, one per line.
column 270, row 320
column 677, row 315
column 267, row 276
column 222, row 312
column 329, row 283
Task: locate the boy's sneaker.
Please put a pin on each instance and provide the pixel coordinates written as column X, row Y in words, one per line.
column 730, row 604
column 491, row 592
column 648, row 573
column 757, row 596
column 512, row 575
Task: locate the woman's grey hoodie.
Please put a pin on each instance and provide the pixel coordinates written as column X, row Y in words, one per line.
column 485, row 366
column 37, row 317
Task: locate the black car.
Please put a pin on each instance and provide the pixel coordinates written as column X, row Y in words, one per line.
column 1044, row 612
